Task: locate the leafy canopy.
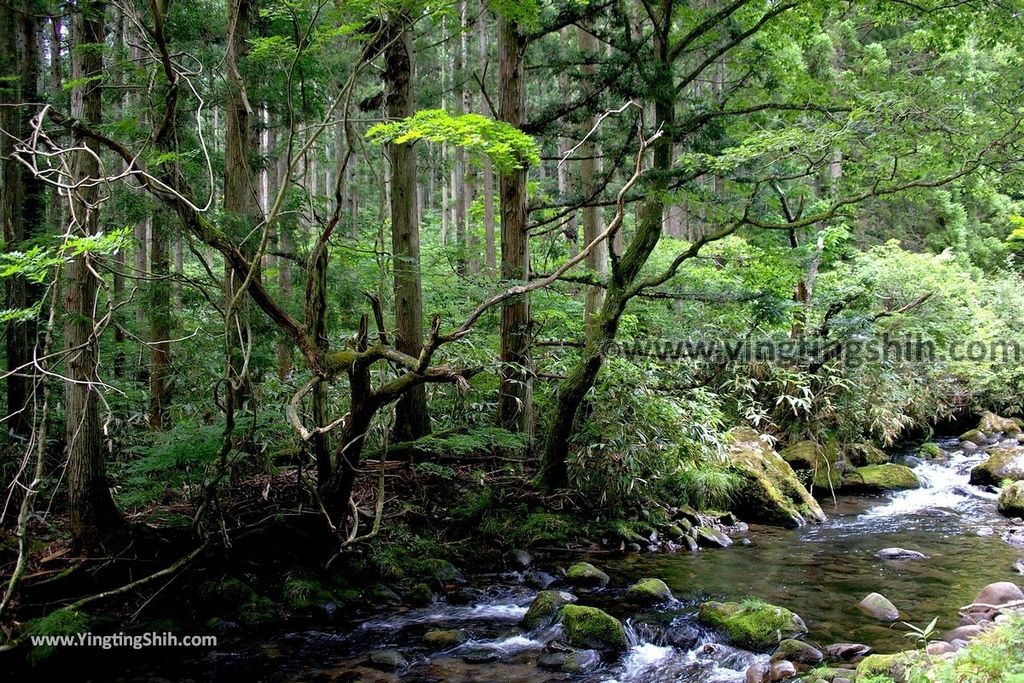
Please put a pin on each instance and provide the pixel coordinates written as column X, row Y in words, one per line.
column 507, row 147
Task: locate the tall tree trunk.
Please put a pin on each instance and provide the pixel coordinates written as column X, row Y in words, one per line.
column 119, row 257
column 140, row 256
column 56, row 84
column 22, row 204
column 140, row 269
column 159, row 321
column 487, row 169
column 179, row 271
column 240, row 196
column 93, row 514
column 515, row 399
column 469, row 172
column 411, row 418
column 459, row 169
column 597, row 259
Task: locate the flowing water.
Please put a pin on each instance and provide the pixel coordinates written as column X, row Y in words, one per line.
column 821, row 572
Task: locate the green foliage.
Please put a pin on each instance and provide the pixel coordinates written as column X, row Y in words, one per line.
column 507, row 147
column 61, row 622
column 921, row 635
column 994, row 656
column 706, row 487
column 302, row 591
column 398, row 554
column 176, row 460
column 474, row 442
column 435, row 470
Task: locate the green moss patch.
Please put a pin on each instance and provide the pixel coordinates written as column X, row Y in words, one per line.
column 752, row 624
column 589, row 627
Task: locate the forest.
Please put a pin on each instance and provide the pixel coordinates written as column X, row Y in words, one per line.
column 518, row 340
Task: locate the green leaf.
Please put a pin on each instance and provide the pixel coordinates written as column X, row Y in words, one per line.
column 506, row 146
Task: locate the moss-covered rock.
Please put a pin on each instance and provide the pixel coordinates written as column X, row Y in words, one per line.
column 443, row 639
column 770, row 492
column 589, row 627
column 544, row 608
column 585, row 574
column 974, row 436
column 864, row 454
column 990, row 423
column 880, row 478
column 1011, row 500
column 648, row 592
column 675, row 531
column 420, row 595
column 819, row 465
column 753, row 625
column 929, row 450
column 442, row 572
column 894, row 666
column 1002, row 464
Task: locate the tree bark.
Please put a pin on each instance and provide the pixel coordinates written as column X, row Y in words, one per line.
column 93, row 514
column 240, row 195
column 160, row 322
column 597, row 259
column 411, row 418
column 515, row 399
column 22, row 204
column 487, row 170
column 459, row 169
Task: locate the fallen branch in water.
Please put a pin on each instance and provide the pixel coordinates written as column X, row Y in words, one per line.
column 1013, row 604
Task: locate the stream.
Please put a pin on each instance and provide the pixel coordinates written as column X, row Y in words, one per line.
column 820, row 572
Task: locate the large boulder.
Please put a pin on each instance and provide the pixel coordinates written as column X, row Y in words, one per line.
column 589, row 627
column 544, row 608
column 1011, row 500
column 770, row 492
column 753, row 625
column 585, row 574
column 990, row 423
column 1003, row 463
column 648, row 592
column 881, row 478
column 820, row 466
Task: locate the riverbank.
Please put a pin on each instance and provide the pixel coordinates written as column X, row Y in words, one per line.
column 820, row 572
